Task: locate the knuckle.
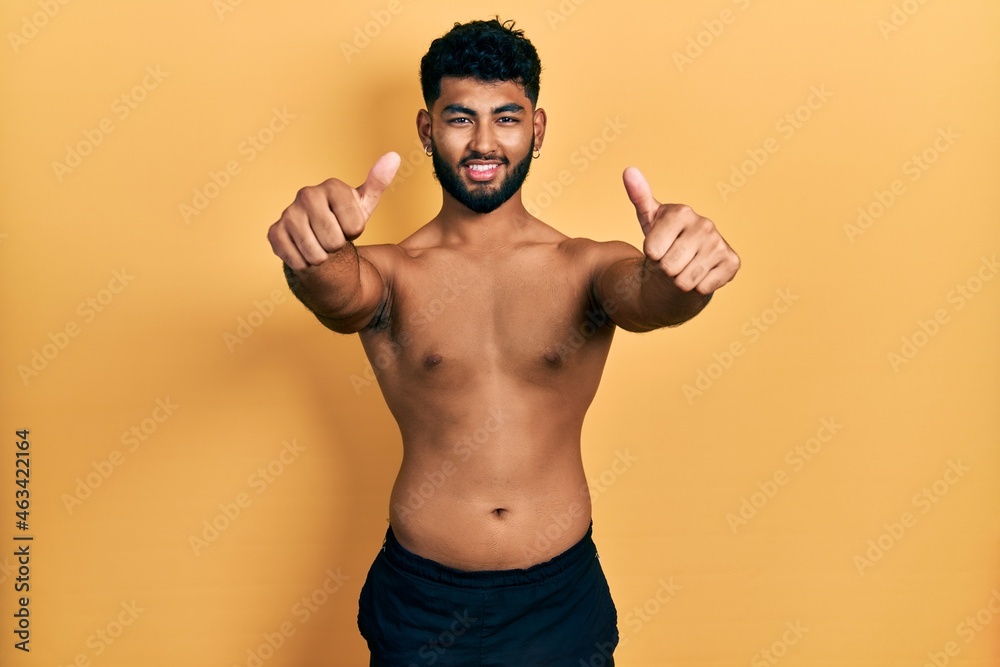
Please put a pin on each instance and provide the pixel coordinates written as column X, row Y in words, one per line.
column 293, row 262
column 310, row 197
column 649, row 249
column 289, row 223
column 351, row 226
column 675, row 255
column 337, row 187
column 321, row 224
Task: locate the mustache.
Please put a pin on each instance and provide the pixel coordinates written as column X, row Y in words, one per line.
column 481, row 156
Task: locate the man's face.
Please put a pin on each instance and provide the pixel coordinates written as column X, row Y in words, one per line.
column 482, row 136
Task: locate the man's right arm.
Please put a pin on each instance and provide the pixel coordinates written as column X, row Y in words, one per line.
column 324, row 269
column 346, row 292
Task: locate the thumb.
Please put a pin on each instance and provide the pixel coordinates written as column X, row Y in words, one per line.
column 641, row 196
column 379, row 178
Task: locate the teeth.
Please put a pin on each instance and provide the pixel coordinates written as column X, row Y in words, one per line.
column 481, row 167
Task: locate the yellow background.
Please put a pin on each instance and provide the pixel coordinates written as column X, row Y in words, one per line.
column 693, row 586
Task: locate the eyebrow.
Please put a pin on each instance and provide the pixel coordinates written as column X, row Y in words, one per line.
column 510, row 107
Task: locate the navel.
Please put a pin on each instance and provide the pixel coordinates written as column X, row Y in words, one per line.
column 500, row 513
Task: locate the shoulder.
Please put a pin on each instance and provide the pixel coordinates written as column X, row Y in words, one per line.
column 598, row 255
column 394, row 255
column 387, row 258
column 382, row 252
column 396, row 262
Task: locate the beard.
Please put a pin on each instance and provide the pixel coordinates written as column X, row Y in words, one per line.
column 488, row 200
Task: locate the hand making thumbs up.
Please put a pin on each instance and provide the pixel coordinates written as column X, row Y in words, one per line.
column 324, row 217
column 686, row 246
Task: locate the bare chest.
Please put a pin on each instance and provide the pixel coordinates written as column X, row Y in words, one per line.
column 523, row 314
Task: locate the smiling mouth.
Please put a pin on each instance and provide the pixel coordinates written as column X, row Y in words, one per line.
column 482, row 172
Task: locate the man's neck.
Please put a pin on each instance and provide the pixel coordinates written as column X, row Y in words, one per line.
column 461, row 226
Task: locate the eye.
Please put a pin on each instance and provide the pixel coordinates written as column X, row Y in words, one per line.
column 507, row 120
column 459, row 120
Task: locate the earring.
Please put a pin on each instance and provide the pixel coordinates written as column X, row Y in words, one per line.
column 537, row 153
column 427, row 151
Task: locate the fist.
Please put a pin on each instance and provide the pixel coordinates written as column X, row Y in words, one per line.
column 324, row 217
column 684, row 245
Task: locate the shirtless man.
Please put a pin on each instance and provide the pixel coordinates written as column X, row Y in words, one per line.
column 489, row 330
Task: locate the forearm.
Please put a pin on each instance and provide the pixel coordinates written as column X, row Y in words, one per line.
column 344, row 292
column 639, row 296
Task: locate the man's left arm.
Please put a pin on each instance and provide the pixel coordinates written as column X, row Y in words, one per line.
column 684, row 260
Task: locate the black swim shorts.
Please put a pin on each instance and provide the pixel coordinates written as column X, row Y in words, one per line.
column 415, row 612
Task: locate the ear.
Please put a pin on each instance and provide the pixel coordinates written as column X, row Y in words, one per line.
column 539, row 119
column 424, row 127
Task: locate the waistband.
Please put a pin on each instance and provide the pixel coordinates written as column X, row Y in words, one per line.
column 409, row 562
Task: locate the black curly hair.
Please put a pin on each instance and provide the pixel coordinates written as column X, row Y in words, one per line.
column 484, row 50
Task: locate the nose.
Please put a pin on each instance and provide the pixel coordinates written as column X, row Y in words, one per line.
column 484, row 140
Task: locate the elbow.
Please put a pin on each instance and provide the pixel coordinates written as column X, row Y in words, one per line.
column 666, row 315
column 345, row 325
column 358, row 313
column 351, row 317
